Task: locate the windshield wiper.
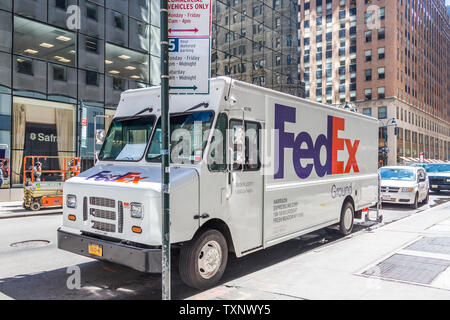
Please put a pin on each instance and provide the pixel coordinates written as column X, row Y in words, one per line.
column 135, row 116
column 203, row 104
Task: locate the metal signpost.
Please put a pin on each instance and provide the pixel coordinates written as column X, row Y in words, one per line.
column 187, row 53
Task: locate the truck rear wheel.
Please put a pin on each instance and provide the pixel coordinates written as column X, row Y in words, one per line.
column 203, row 260
column 347, row 219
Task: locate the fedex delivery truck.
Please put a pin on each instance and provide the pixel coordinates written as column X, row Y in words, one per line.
column 250, row 168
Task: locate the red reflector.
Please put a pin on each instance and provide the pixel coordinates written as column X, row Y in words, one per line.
column 365, row 210
column 72, row 217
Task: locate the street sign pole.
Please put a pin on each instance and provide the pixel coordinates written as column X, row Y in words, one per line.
column 165, row 152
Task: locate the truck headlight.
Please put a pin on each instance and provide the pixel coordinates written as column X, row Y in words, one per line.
column 71, row 201
column 407, row 189
column 137, row 210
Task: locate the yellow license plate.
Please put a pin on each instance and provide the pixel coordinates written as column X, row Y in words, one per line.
column 96, row 250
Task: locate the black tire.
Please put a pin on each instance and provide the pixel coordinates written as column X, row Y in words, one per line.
column 415, row 205
column 190, row 254
column 427, row 199
column 343, row 229
column 35, row 206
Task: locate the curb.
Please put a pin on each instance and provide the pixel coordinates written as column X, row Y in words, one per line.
column 37, row 214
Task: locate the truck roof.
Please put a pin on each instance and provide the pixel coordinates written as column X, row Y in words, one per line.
column 135, row 100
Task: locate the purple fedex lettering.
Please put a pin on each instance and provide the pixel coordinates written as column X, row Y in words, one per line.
column 106, row 176
column 303, row 146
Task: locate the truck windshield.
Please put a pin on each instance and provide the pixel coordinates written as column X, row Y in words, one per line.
column 397, row 174
column 187, row 133
column 127, row 139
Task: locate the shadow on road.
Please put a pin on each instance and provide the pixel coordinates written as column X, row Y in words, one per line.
column 100, row 281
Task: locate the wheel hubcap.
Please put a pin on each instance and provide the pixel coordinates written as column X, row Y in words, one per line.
column 348, row 217
column 209, row 259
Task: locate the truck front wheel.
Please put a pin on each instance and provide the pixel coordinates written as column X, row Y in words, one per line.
column 203, row 260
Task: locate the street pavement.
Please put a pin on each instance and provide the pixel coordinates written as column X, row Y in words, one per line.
column 15, row 209
column 406, row 257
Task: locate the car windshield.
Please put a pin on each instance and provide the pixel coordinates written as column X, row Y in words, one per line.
column 397, row 174
column 127, row 139
column 187, row 133
column 438, row 168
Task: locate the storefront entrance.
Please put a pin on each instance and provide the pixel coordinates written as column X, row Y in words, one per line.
column 41, row 128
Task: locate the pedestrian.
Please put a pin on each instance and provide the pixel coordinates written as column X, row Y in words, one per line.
column 37, row 172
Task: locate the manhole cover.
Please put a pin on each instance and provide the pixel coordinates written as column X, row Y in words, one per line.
column 30, row 244
column 409, row 268
column 432, row 244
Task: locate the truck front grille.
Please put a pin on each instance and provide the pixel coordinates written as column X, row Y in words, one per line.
column 103, row 214
column 102, row 226
column 102, row 202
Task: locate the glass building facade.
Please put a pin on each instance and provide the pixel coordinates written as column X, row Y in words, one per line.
column 256, row 41
column 55, row 78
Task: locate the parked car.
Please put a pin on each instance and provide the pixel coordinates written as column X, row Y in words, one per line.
column 404, row 185
column 439, row 176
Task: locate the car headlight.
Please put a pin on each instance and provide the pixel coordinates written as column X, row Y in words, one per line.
column 407, row 189
column 71, row 201
column 137, row 210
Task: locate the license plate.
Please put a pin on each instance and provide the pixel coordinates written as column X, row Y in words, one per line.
column 386, row 197
column 96, row 250
column 434, row 186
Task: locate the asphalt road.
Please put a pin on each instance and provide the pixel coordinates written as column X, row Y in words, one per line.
column 38, row 270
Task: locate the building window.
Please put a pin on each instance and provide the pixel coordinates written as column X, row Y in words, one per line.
column 367, row 112
column 381, row 93
column 381, row 53
column 381, row 73
column 368, row 74
column 25, row 66
column 369, row 36
column 381, row 34
column 368, row 94
column 368, row 55
column 382, row 113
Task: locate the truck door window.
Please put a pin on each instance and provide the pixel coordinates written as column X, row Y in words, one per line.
column 187, row 133
column 217, row 158
column 252, row 145
column 127, row 139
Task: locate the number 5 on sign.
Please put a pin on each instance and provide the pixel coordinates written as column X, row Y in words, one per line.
column 173, row 45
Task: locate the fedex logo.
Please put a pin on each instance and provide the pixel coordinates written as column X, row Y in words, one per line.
column 303, row 147
column 130, row 177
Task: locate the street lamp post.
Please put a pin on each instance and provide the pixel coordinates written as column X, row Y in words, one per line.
column 390, row 123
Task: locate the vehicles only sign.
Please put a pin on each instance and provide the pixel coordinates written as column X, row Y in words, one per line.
column 190, row 46
column 190, row 18
column 189, row 67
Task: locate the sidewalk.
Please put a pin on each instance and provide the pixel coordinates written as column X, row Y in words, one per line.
column 407, row 259
column 10, row 210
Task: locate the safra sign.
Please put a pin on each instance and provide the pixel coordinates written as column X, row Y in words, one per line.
column 189, row 18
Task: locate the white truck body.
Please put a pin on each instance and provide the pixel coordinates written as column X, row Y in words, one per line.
column 313, row 159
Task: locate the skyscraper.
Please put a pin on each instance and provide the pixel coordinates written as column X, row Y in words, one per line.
column 390, row 60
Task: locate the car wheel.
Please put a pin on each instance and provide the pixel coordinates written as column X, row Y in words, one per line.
column 203, row 260
column 415, row 205
column 427, row 199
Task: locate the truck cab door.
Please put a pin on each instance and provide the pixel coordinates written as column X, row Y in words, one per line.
column 245, row 199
